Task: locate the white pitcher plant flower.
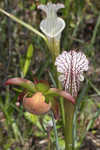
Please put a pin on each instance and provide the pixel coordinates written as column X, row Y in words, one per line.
column 52, row 25
column 71, row 65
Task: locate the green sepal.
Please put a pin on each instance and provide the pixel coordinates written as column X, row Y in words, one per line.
column 41, row 87
column 28, row 86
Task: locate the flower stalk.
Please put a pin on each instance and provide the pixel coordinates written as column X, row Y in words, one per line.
column 69, row 113
column 71, row 65
column 54, row 47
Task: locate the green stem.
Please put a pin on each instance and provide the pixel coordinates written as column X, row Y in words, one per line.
column 62, row 105
column 69, row 114
column 54, row 47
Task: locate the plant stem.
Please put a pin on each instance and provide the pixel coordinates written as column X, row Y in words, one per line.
column 62, row 105
column 54, row 47
column 69, row 114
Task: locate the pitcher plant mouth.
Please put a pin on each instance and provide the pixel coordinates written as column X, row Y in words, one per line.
column 52, row 25
column 71, row 66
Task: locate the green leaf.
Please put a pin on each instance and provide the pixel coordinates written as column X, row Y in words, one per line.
column 30, row 87
column 28, row 59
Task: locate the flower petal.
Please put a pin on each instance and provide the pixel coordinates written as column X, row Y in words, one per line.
column 27, row 84
column 64, row 94
column 50, row 8
column 17, row 81
column 62, row 78
column 36, row 104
